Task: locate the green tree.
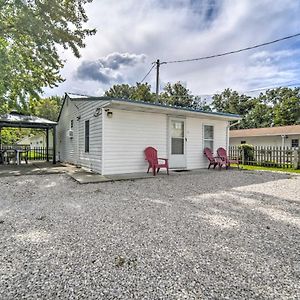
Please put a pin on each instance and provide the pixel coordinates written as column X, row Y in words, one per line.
column 123, row 91
column 30, row 33
column 202, row 104
column 47, row 108
column 141, row 91
column 280, row 106
column 285, row 103
column 260, row 116
column 10, row 136
column 178, row 95
column 287, row 112
column 232, row 102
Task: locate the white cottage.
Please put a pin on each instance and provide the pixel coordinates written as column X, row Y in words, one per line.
column 109, row 135
column 37, row 140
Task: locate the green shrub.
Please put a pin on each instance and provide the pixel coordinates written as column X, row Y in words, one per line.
column 248, row 151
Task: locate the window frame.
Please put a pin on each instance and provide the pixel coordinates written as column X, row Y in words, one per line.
column 87, row 136
column 209, row 139
column 293, row 141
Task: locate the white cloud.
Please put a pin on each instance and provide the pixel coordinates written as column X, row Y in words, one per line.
column 185, row 29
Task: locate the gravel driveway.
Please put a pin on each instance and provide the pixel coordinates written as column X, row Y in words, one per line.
column 207, row 235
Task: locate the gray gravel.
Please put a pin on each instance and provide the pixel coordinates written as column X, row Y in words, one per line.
column 210, row 235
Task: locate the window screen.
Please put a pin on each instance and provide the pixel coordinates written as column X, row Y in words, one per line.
column 208, row 136
column 177, row 138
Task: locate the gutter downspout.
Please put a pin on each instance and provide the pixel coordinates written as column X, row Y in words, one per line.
column 227, row 132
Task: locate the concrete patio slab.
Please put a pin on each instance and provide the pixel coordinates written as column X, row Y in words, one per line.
column 84, row 176
column 32, row 168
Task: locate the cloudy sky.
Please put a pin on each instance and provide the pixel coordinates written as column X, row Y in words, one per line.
column 134, row 33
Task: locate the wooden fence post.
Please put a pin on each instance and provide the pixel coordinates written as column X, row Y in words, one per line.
column 296, row 159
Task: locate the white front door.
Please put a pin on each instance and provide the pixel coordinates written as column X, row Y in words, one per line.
column 177, row 156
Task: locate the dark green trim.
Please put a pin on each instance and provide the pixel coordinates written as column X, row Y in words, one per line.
column 155, row 104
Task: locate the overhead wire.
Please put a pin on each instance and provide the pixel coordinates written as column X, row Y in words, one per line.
column 232, row 52
column 147, row 73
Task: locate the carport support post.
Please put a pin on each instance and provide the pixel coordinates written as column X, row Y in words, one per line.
column 47, row 144
column 54, row 144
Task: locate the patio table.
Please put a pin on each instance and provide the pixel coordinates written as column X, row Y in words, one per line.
column 18, row 155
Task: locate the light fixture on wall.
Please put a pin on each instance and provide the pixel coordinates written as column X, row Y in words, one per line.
column 109, row 113
column 97, row 112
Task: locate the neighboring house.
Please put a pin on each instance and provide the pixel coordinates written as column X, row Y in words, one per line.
column 283, row 136
column 109, row 135
column 37, row 141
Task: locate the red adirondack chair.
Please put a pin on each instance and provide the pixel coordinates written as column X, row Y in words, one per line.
column 223, row 155
column 213, row 161
column 153, row 161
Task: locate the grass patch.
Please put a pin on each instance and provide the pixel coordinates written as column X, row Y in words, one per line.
column 259, row 168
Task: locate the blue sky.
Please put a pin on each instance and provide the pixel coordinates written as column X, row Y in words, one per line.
column 133, row 33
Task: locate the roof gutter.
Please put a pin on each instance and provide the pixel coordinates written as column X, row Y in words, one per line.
column 177, row 110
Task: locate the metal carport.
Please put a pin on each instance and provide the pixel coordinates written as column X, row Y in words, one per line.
column 18, row 120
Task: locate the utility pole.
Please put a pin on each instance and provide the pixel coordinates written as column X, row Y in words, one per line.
column 157, row 78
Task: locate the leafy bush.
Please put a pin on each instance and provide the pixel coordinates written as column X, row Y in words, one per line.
column 248, row 151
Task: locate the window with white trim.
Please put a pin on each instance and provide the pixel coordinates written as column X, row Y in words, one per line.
column 208, row 136
column 295, row 143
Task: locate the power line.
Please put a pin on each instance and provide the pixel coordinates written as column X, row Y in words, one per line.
column 203, row 96
column 272, row 87
column 232, row 52
column 148, row 73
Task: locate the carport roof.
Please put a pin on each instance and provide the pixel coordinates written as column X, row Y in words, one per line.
column 19, row 120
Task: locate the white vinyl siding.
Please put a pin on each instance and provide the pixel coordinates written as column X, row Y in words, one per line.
column 265, row 141
column 194, row 144
column 126, row 135
column 93, row 158
column 73, row 150
column 67, row 149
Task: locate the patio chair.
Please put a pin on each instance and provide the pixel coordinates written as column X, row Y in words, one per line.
column 153, row 161
column 223, row 155
column 23, row 154
column 213, row 160
column 10, row 155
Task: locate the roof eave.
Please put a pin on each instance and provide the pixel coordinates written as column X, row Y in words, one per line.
column 171, row 109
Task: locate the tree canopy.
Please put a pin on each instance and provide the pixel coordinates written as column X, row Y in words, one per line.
column 31, row 32
column 275, row 107
column 140, row 91
column 173, row 94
